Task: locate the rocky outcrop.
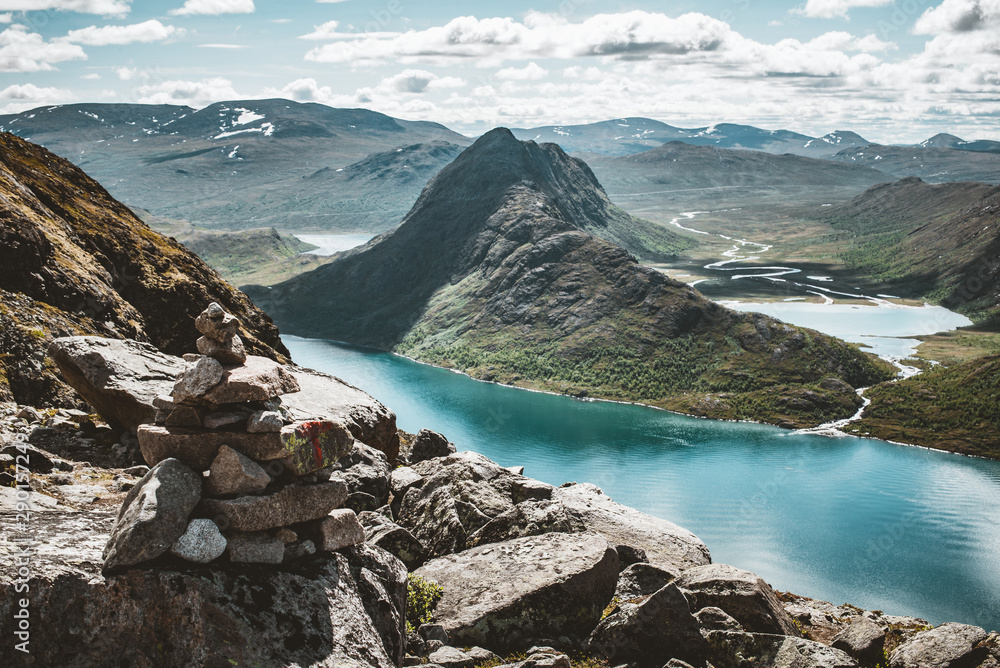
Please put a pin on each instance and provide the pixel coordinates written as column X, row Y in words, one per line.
column 729, row 649
column 500, row 596
column 947, row 646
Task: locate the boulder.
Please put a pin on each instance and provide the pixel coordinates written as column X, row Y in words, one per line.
column 947, row 646
column 196, row 380
column 648, row 634
column 429, row 444
column 265, row 422
column 715, row 619
column 256, row 548
column 29, row 457
column 741, row 594
column 562, row 584
column 641, row 580
column 863, row 639
column 183, row 416
column 298, row 550
column 338, row 530
column 119, row 378
column 312, row 445
column 153, row 515
column 232, row 473
column 386, row 534
column 528, row 518
column 291, row 505
column 343, row 609
column 450, row 657
column 215, row 323
column 666, row 545
column 258, row 379
column 227, row 418
column 201, row 542
column 364, row 470
column 230, row 353
column 728, row 649
column 197, row 448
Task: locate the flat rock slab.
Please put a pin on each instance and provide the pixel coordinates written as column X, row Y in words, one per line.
column 258, row 379
column 153, row 516
column 499, row 595
column 198, row 448
column 119, row 378
column 760, row 650
column 666, row 545
column 291, row 505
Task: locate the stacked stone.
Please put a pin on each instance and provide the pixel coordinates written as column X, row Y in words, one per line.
column 259, row 487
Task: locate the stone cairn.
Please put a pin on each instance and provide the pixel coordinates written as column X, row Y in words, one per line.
column 231, row 472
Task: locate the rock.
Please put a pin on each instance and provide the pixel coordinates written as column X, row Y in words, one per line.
column 81, row 495
column 524, row 489
column 256, row 548
column 314, row 444
column 544, row 657
column 715, row 619
column 760, row 650
column 119, row 378
column 742, row 594
column 265, row 422
column 516, row 470
column 529, row 518
column 196, row 380
column 480, row 655
column 432, row 646
column 323, row 612
column 139, row 470
column 236, row 474
column 563, row 583
column 222, row 419
column 291, row 505
column 30, row 414
column 286, row 535
column 863, row 639
column 449, row 657
column 12, row 500
column 665, row 544
column 29, row 457
column 403, row 478
column 386, row 534
column 338, row 530
column 259, row 379
column 947, row 646
column 184, row 416
column 641, row 580
column 429, row 444
column 628, row 555
column 230, row 353
column 433, row 632
column 153, row 515
column 216, row 324
column 647, row 634
column 201, row 542
column 364, row 470
column 360, row 502
column 198, row 448
column 298, row 550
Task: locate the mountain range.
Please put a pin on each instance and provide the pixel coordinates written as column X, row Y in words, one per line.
column 503, row 269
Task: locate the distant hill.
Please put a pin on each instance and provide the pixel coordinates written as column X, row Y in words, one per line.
column 503, row 269
column 943, row 140
column 931, row 163
column 78, row 262
column 239, row 164
column 625, row 136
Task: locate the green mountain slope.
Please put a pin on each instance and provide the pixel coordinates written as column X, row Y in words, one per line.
column 497, row 271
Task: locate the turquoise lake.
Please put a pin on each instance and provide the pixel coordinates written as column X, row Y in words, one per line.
column 887, row 527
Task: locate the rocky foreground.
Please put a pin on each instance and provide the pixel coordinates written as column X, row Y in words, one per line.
column 530, row 574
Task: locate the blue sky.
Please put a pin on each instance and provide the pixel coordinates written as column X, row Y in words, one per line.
column 892, row 70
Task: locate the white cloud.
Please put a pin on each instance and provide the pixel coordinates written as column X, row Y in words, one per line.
column 92, row 75
column 958, row 16
column 631, row 35
column 22, row 97
column 190, row 93
column 835, row 9
column 147, row 31
column 325, row 31
column 6, row 18
column 104, row 7
column 215, row 7
column 531, row 71
column 418, row 81
column 126, row 73
column 328, row 32
column 23, row 51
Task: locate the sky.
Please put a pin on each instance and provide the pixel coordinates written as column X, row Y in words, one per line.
column 895, row 71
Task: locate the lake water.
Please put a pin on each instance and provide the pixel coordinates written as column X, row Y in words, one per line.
column 333, row 243
column 899, row 529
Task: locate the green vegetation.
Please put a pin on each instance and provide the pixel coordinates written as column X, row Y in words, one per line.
column 422, row 597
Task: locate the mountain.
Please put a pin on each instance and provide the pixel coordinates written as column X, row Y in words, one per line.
column 239, row 164
column 497, row 271
column 930, row 163
column 943, row 140
column 625, row 136
column 79, row 262
column 939, row 242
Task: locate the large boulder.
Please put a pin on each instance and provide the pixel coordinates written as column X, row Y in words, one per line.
column 502, row 595
column 947, row 646
column 428, row 445
column 863, row 639
column 666, row 545
column 386, row 534
column 729, row 649
column 153, row 516
column 741, row 594
column 641, row 579
column 650, row 633
column 528, row 518
column 291, row 505
column 342, row 609
column 119, row 378
column 365, row 470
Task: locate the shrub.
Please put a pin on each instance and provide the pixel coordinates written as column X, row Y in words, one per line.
column 422, row 597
